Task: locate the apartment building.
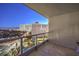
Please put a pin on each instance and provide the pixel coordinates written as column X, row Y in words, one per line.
column 34, row 28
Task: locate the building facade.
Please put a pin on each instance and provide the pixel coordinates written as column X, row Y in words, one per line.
column 34, row 28
column 26, row 27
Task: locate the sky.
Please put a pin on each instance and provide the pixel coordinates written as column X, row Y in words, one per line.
column 14, row 14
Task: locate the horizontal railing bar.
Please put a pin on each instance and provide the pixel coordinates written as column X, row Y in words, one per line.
column 15, row 38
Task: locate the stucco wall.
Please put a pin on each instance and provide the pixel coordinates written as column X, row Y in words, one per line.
column 64, row 29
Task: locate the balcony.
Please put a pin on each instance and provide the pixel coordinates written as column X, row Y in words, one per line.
column 17, row 46
column 33, row 45
column 62, row 37
column 50, row 49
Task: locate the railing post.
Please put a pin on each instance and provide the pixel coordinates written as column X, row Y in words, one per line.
column 36, row 42
column 43, row 37
column 21, row 46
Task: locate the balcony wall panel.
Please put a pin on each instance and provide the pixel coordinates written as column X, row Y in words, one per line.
column 64, row 29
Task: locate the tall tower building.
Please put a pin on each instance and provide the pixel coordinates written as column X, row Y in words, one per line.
column 36, row 28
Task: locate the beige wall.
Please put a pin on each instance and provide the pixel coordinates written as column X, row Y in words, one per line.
column 65, row 29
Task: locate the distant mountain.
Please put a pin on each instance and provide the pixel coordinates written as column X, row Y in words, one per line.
column 9, row 27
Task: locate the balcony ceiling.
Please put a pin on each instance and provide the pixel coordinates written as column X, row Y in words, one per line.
column 53, row 9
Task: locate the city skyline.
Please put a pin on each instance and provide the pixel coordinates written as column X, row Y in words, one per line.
column 14, row 14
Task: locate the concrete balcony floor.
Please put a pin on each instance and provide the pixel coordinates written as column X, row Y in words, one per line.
column 50, row 49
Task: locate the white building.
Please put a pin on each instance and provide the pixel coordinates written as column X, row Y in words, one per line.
column 26, row 27
column 35, row 28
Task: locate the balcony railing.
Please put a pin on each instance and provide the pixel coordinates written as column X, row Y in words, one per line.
column 21, row 45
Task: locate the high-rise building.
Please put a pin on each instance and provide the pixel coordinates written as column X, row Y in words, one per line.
column 26, row 27
column 34, row 28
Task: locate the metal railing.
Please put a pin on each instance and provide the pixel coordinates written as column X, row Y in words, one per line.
column 21, row 45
